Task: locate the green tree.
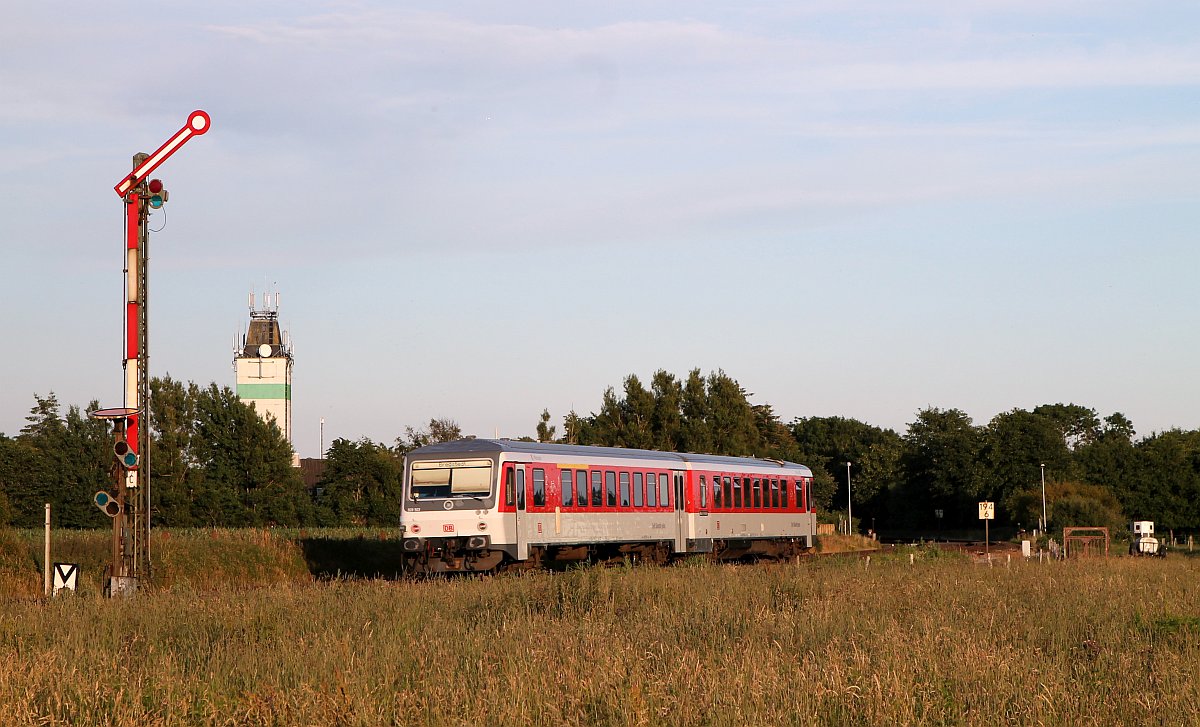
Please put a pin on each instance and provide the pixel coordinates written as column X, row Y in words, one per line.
column 638, row 410
column 1164, row 483
column 24, row 483
column 577, row 429
column 545, row 430
column 1113, row 460
column 1015, row 445
column 438, row 430
column 63, row 462
column 1071, row 504
column 696, row 432
column 1077, row 424
column 880, row 474
column 941, row 466
column 873, row 452
column 175, row 478
column 608, row 426
column 361, row 485
column 667, row 418
column 731, row 418
column 44, row 423
column 246, row 463
column 85, row 467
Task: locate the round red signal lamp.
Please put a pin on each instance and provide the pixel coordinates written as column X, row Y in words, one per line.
column 155, row 186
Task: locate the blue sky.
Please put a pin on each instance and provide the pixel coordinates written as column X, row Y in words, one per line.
column 477, row 210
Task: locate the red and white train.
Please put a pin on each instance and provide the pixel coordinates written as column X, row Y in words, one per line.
column 477, row 505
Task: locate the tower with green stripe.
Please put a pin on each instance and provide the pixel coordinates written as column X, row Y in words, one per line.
column 263, row 365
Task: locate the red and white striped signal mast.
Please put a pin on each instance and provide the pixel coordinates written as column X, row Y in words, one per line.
column 131, row 512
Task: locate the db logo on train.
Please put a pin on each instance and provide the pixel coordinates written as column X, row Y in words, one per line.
column 448, row 528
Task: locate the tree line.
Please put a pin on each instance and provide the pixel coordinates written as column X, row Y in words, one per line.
column 215, row 462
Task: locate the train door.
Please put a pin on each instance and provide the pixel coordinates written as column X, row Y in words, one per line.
column 514, row 497
column 681, row 524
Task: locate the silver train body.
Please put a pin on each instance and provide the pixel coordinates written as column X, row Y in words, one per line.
column 477, row 505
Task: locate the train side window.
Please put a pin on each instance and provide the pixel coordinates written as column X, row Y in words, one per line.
column 651, row 492
column 610, row 488
column 581, row 497
column 520, row 487
column 597, row 490
column 737, row 492
column 564, row 483
column 783, row 494
column 664, row 490
column 639, row 489
column 624, row 477
column 703, row 493
column 510, row 484
column 800, row 492
column 539, row 487
column 775, row 494
column 717, row 492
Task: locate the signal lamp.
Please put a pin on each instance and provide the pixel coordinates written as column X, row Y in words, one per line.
column 107, row 504
column 125, row 454
column 158, row 194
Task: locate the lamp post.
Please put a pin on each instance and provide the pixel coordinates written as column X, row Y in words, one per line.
column 849, row 514
column 322, row 437
column 1044, row 523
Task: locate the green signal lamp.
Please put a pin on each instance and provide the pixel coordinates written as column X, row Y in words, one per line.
column 107, row 503
column 125, row 455
column 158, row 193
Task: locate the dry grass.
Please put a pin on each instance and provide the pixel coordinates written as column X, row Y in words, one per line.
column 942, row 642
column 195, row 559
column 845, row 544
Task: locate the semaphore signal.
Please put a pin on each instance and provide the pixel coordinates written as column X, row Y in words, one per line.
column 131, row 473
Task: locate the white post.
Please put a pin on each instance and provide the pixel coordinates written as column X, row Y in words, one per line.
column 1044, row 523
column 849, row 514
column 46, row 562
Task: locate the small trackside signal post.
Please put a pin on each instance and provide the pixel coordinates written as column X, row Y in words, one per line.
column 987, row 513
column 130, row 506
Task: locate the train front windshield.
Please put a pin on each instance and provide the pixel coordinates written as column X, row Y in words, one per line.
column 439, row 480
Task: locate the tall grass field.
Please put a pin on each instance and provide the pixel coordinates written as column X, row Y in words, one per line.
column 938, row 640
